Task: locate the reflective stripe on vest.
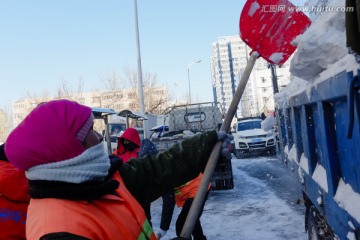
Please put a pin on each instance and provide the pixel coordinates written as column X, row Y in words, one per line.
column 147, row 231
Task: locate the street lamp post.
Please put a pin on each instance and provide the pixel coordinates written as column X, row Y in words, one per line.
column 139, row 73
column 189, row 77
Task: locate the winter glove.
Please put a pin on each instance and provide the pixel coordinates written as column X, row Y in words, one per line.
column 160, row 234
column 115, row 159
column 116, row 164
column 226, row 138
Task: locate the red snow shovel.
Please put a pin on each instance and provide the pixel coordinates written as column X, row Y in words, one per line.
column 268, row 27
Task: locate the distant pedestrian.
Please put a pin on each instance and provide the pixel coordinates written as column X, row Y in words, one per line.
column 128, row 145
column 183, row 196
column 166, row 213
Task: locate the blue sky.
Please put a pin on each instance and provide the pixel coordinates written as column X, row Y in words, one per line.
column 43, row 42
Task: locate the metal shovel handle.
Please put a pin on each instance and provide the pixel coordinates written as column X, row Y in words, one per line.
column 212, row 162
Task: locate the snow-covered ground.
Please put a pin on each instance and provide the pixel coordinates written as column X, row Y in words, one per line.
column 261, row 205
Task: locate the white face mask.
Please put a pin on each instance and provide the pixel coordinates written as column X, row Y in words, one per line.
column 92, row 165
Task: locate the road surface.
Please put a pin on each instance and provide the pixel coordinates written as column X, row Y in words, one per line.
column 262, row 205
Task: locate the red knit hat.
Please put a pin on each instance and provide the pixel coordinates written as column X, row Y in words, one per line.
column 52, row 132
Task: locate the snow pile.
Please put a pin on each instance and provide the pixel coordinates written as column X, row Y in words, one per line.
column 268, row 123
column 293, row 154
column 296, row 86
column 323, row 44
column 304, row 163
column 347, row 198
column 319, row 176
column 321, row 53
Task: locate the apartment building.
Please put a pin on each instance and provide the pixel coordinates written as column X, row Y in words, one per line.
column 117, row 100
column 265, row 91
column 228, row 60
column 4, row 125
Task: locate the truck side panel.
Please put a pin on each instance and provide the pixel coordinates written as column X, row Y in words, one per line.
column 313, row 140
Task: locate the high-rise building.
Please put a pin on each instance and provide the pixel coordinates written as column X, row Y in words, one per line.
column 228, row 61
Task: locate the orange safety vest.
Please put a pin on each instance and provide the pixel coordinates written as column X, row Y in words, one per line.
column 111, row 217
column 187, row 190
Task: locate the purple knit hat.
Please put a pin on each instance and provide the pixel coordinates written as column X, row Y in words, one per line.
column 52, row 132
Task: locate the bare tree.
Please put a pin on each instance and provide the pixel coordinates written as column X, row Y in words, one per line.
column 63, row 91
column 67, row 92
column 112, row 81
column 108, row 93
column 156, row 99
column 131, row 77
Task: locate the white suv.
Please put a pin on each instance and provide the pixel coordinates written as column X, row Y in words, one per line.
column 250, row 137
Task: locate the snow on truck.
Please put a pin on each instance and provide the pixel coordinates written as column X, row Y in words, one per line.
column 318, row 115
column 184, row 121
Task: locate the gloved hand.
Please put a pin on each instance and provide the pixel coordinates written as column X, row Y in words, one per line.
column 226, row 138
column 161, row 233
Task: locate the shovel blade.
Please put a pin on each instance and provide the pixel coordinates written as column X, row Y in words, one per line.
column 270, row 26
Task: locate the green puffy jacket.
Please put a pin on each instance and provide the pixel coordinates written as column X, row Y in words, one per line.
column 149, row 177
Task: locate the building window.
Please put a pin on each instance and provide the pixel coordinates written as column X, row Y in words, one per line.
column 95, row 99
column 131, row 95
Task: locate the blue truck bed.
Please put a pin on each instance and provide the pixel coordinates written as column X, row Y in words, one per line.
column 320, row 143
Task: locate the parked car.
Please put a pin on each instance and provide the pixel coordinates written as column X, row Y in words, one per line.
column 250, row 138
column 158, row 131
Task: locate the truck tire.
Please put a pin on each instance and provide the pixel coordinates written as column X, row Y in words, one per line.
column 230, row 183
column 225, row 184
column 312, row 225
column 272, row 151
column 238, row 154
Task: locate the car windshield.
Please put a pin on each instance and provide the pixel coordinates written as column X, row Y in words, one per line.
column 116, row 128
column 249, row 125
